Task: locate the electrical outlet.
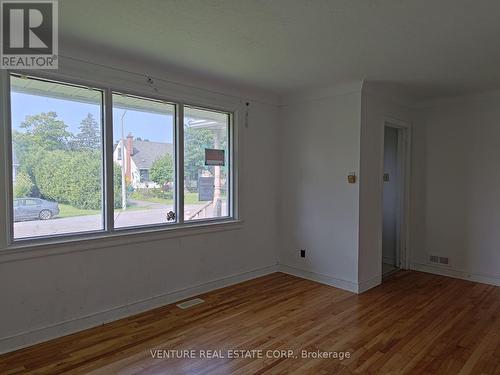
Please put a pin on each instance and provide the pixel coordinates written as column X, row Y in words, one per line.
column 302, row 253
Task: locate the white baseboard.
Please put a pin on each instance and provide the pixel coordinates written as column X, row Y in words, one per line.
column 388, row 260
column 24, row 339
column 320, row 278
column 458, row 274
column 363, row 286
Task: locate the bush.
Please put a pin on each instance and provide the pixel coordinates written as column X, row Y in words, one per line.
column 162, row 170
column 117, row 176
column 23, row 185
column 70, row 177
column 74, row 178
column 148, row 194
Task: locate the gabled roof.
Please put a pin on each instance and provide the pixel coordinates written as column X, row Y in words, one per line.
column 146, row 152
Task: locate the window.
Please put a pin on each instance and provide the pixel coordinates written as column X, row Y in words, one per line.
column 143, row 131
column 71, row 177
column 57, row 146
column 144, row 175
column 206, row 172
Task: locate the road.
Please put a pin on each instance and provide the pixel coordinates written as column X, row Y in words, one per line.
column 123, row 219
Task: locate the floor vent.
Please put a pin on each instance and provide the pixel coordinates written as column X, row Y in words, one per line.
column 439, row 260
column 190, row 303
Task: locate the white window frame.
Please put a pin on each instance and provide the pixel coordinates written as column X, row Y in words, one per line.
column 140, row 233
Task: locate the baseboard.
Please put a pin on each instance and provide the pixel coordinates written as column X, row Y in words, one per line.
column 24, row 339
column 320, row 278
column 388, row 260
column 363, row 286
column 458, row 274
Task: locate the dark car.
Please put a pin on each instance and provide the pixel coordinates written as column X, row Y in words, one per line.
column 34, row 208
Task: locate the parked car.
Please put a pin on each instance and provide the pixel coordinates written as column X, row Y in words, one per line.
column 34, row 208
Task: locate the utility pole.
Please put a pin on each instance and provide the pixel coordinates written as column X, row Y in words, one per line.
column 124, row 182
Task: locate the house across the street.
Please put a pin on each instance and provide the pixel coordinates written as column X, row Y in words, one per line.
column 139, row 158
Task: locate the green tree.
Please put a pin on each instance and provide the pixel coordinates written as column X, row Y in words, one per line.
column 196, row 140
column 45, row 131
column 54, row 169
column 89, row 137
column 25, row 150
column 162, row 170
column 41, row 133
column 23, row 185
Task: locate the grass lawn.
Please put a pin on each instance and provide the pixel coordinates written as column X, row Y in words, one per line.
column 189, row 198
column 65, row 210
column 69, row 211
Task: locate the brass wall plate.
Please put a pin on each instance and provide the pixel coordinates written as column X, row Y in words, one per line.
column 351, row 178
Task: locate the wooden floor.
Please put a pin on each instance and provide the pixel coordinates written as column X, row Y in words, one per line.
column 415, row 323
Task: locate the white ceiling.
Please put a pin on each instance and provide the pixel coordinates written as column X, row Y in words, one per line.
column 433, row 47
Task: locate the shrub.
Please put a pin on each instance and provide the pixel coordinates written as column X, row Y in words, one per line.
column 70, row 177
column 162, row 170
column 23, row 185
column 117, row 176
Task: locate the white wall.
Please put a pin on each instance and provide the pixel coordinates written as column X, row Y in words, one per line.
column 295, row 159
column 320, row 140
column 458, row 191
column 377, row 107
column 51, row 291
column 325, row 135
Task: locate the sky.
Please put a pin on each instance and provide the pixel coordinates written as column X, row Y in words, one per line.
column 154, row 127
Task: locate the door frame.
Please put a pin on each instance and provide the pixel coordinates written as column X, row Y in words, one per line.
column 404, row 181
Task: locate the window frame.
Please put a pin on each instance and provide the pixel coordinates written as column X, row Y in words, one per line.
column 230, row 181
column 109, row 231
column 176, row 106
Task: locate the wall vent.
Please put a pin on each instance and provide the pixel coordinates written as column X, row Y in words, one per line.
column 436, row 259
column 190, row 303
column 444, row 260
column 433, row 259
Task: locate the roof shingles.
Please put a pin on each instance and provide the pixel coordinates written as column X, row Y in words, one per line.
column 146, row 152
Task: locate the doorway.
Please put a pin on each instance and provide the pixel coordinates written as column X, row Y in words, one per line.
column 395, row 198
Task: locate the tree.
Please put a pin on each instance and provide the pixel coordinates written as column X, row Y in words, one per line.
column 162, row 170
column 196, row 140
column 89, row 137
column 51, row 169
column 23, row 185
column 45, row 131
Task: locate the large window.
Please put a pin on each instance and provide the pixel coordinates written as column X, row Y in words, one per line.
column 206, row 172
column 75, row 173
column 57, row 158
column 144, row 161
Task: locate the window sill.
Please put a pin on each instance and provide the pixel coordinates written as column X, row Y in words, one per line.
column 26, row 249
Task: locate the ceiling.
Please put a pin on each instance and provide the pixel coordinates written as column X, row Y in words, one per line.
column 431, row 47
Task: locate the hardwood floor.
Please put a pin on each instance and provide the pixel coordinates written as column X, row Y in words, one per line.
column 415, row 323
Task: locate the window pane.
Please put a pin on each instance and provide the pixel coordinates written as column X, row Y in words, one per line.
column 144, row 163
column 56, row 158
column 206, row 159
